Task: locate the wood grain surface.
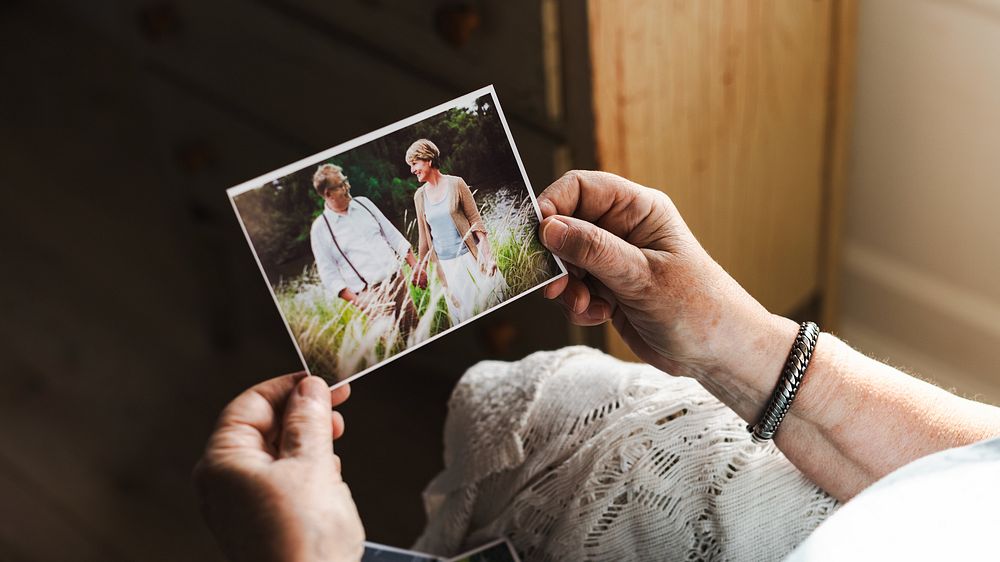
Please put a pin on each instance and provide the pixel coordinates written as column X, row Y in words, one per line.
column 723, row 106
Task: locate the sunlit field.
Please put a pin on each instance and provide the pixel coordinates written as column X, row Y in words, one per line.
column 338, row 339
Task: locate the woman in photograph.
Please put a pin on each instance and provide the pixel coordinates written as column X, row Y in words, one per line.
column 453, row 236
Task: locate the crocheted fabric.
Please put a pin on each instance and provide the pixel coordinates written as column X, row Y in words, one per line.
column 575, row 455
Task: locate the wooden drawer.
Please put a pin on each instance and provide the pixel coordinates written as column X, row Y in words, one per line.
column 461, row 46
column 347, row 78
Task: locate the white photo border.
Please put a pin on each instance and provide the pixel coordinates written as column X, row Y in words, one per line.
column 259, row 181
column 487, row 546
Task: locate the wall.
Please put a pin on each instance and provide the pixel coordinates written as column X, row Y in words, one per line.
column 921, row 254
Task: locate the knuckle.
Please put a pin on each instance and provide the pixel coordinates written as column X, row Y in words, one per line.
column 566, row 183
column 660, row 198
column 302, row 419
column 596, row 248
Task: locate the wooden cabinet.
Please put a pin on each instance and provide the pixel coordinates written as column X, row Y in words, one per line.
column 737, row 111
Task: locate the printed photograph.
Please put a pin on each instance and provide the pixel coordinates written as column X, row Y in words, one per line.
column 384, row 243
column 375, row 552
column 497, row 551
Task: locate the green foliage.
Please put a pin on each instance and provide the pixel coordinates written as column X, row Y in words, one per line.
column 278, row 215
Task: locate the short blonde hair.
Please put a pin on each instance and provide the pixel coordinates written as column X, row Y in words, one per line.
column 328, row 176
column 423, row 149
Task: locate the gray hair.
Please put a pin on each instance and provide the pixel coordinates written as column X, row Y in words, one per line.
column 328, row 176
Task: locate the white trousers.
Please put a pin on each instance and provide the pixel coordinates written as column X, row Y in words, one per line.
column 470, row 291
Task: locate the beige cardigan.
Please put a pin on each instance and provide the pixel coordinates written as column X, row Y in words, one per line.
column 464, row 213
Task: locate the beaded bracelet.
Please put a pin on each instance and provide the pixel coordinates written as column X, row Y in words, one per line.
column 788, row 386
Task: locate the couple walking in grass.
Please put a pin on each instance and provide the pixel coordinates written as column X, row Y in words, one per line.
column 359, row 253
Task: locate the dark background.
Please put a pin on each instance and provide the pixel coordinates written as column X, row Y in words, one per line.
column 132, row 310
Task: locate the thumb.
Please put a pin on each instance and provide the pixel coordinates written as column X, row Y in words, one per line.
column 307, row 429
column 607, row 257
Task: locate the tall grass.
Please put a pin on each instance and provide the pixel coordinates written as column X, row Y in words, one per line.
column 512, row 226
column 338, row 339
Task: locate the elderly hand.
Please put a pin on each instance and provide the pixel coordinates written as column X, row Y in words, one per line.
column 269, row 482
column 633, row 261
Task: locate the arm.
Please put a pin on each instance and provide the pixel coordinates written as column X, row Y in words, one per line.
column 411, row 260
column 423, row 237
column 326, row 264
column 854, row 419
column 423, row 243
column 468, row 204
column 419, row 276
column 487, row 263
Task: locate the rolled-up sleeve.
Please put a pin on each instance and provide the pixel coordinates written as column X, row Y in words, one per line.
column 326, row 263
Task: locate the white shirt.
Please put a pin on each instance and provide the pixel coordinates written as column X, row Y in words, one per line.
column 362, row 242
column 945, row 506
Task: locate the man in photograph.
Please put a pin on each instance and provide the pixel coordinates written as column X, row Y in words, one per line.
column 358, row 251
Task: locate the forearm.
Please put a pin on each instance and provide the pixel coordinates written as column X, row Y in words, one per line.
column 854, row 419
column 482, row 242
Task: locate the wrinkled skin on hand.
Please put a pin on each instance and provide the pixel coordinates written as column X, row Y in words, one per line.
column 269, row 482
column 634, row 261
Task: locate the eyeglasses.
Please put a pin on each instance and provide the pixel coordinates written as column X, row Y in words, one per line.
column 343, row 185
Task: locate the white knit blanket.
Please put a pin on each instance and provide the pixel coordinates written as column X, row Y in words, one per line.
column 575, row 455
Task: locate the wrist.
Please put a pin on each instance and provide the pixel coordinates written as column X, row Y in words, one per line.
column 749, row 362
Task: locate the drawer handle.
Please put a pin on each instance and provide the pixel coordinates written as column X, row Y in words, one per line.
column 456, row 23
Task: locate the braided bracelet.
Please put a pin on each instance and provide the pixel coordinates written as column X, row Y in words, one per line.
column 788, row 386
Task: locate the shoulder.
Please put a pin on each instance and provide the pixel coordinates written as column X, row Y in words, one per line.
column 459, row 182
column 461, row 188
column 418, row 195
column 317, row 222
column 366, row 204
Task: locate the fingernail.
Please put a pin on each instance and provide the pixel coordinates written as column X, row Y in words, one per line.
column 547, row 207
column 572, row 302
column 554, row 234
column 312, row 387
column 598, row 312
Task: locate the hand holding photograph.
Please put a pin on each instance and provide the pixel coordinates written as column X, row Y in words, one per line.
column 379, row 245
